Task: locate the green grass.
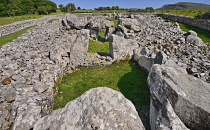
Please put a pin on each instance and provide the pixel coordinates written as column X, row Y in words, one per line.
column 12, row 19
column 115, row 22
column 50, row 21
column 191, row 13
column 128, row 26
column 96, row 46
column 10, row 37
column 99, row 46
column 125, row 77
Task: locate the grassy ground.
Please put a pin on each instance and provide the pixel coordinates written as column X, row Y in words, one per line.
column 115, row 22
column 99, row 46
column 191, row 13
column 8, row 20
column 10, row 37
column 125, row 77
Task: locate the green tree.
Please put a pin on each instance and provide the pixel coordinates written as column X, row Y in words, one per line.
column 70, row 7
column 61, row 6
column 79, row 8
column 149, row 8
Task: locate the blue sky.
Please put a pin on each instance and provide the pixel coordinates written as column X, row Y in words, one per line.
column 91, row 4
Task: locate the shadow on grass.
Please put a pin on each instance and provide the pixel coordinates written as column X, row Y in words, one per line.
column 101, row 39
column 133, row 86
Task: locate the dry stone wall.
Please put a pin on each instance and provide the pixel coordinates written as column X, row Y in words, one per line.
column 17, row 26
column 203, row 24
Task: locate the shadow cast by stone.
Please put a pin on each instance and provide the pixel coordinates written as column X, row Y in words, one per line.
column 133, row 86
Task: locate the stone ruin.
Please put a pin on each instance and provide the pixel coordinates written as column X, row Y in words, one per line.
column 32, row 66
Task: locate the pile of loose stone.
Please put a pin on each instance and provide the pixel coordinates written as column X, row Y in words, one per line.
column 171, row 56
column 153, row 35
column 33, row 65
column 17, row 26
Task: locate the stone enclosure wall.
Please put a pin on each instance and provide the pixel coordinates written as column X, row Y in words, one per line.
column 203, row 24
column 17, row 26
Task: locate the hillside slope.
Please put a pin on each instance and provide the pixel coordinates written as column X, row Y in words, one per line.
column 185, row 6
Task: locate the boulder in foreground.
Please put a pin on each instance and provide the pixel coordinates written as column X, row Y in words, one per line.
column 97, row 109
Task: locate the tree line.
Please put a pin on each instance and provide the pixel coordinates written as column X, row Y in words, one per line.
column 147, row 9
column 21, row 7
column 68, row 8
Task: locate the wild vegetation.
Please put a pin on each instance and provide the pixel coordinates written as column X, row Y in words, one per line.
column 21, row 7
column 68, row 8
column 191, row 13
column 204, row 15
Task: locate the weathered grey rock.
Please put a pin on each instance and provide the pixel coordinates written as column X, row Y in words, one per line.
column 72, row 49
column 163, row 117
column 75, row 22
column 128, row 21
column 28, row 108
column 94, row 34
column 121, row 48
column 108, row 32
column 188, row 95
column 160, row 58
column 99, row 108
column 143, row 60
column 193, row 33
column 194, row 40
column 79, row 47
column 97, row 59
column 100, row 24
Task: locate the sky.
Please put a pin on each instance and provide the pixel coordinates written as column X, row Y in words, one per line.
column 142, row 4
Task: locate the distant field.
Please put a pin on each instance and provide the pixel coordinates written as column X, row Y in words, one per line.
column 8, row 20
column 191, row 13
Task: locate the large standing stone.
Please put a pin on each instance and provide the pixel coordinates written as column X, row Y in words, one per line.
column 79, row 47
column 97, row 109
column 71, row 50
column 121, row 48
column 75, row 22
column 188, row 96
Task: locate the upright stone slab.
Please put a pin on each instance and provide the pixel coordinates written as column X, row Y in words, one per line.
column 188, row 96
